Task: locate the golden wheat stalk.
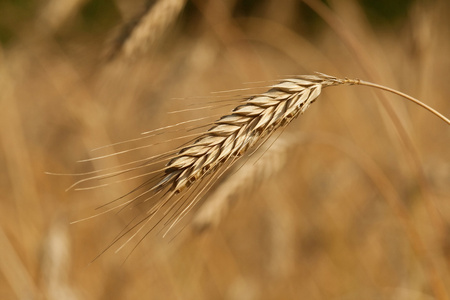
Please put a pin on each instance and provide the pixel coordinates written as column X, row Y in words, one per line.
column 208, row 155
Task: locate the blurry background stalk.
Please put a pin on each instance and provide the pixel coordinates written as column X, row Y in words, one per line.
column 79, row 74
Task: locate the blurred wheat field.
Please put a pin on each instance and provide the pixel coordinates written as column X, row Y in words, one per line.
column 348, row 210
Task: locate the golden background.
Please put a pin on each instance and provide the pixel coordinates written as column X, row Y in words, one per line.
column 358, row 211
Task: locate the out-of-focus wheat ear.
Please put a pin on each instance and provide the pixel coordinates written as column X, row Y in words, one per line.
column 139, row 33
column 265, row 163
column 56, row 260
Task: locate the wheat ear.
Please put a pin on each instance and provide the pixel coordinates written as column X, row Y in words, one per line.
column 232, row 135
column 211, row 153
column 258, row 117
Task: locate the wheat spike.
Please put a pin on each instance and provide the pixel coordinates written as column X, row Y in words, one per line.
column 233, row 134
column 213, row 152
column 249, row 124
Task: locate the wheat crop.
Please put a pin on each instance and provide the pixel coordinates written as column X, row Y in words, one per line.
column 171, row 192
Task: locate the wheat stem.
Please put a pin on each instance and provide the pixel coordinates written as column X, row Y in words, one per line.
column 406, row 96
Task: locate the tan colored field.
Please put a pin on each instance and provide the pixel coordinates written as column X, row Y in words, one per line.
column 351, row 201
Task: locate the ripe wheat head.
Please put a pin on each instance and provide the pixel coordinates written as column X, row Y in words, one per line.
column 172, row 191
